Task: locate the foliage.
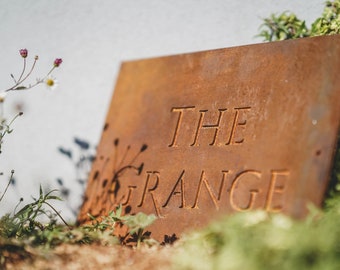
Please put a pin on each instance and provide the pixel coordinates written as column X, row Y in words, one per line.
column 329, row 22
column 136, row 225
column 24, row 224
column 284, row 26
column 258, row 240
column 23, row 233
column 288, row 26
column 25, row 221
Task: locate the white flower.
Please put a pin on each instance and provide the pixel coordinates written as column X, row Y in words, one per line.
column 51, row 82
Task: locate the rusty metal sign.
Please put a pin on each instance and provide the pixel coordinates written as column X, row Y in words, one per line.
column 195, row 136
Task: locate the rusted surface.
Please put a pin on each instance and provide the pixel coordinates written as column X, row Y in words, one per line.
column 194, row 136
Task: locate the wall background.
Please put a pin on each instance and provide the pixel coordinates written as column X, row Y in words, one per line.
column 93, row 38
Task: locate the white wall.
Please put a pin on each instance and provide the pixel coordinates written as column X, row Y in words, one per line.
column 93, row 38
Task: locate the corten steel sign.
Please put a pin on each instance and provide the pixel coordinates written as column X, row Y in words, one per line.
column 194, row 136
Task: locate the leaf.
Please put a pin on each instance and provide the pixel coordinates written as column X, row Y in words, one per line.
column 51, row 191
column 20, row 88
column 53, row 197
column 40, row 191
column 139, row 221
column 22, row 210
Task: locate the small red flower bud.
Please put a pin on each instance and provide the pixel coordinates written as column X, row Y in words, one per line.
column 57, row 62
column 23, row 53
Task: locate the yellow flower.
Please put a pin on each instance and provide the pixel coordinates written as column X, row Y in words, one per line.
column 51, row 83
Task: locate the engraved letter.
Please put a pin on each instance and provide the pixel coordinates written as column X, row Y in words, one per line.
column 179, row 121
column 150, row 190
column 253, row 192
column 174, row 192
column 235, row 124
column 128, row 196
column 273, row 188
column 206, row 126
column 210, row 191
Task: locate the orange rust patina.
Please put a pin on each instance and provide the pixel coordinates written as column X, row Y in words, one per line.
column 195, row 136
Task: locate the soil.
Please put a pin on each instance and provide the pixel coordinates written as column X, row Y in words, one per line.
column 94, row 257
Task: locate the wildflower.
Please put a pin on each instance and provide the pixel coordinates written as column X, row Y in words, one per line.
column 57, row 62
column 23, row 53
column 51, row 82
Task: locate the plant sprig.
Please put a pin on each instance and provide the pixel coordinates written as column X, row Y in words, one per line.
column 289, row 26
column 136, row 225
column 6, row 128
column 18, row 82
column 26, row 221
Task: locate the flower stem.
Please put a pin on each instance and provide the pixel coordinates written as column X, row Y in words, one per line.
column 55, row 211
column 14, row 87
column 9, row 182
column 23, row 71
column 139, row 237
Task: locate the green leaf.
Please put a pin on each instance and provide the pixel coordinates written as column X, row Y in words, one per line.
column 52, row 197
column 119, row 211
column 20, row 88
column 139, row 221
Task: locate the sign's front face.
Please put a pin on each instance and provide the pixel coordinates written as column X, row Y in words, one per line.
column 195, row 136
